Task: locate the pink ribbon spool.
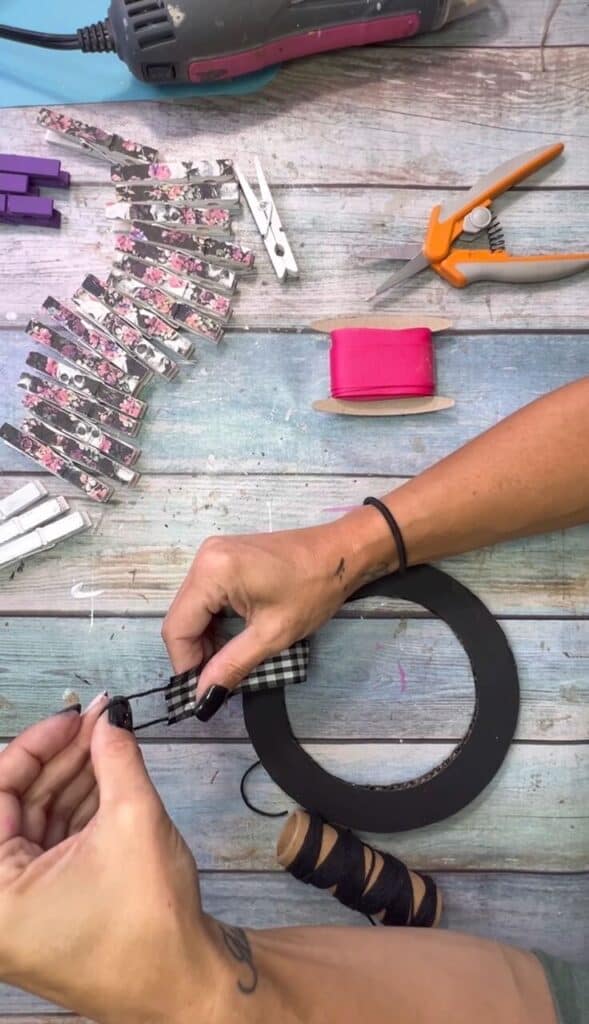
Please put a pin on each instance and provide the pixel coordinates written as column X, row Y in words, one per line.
column 369, row 364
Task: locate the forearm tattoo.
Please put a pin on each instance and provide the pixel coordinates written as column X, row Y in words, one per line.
column 238, row 946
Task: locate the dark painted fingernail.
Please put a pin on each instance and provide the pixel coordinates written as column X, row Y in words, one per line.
column 208, row 705
column 120, row 714
column 71, row 707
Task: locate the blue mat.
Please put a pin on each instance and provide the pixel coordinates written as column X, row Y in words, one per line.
column 30, row 76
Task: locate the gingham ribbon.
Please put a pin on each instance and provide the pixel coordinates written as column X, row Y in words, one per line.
column 284, row 669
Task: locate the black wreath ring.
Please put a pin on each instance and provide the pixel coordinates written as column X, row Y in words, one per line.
column 451, row 785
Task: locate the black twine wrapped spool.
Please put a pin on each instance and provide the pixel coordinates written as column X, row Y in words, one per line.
column 364, row 879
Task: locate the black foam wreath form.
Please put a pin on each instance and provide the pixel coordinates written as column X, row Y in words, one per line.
column 451, row 785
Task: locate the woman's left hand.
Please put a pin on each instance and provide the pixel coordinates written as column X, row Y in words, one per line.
column 101, row 916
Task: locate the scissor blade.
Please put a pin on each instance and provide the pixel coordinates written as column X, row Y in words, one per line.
column 413, row 267
column 402, row 252
column 500, row 179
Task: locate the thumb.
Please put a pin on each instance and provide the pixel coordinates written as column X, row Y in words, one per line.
column 117, row 760
column 226, row 670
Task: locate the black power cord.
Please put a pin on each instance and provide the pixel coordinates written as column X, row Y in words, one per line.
column 92, row 39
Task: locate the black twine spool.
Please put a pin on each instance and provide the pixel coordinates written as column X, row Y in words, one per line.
column 344, row 870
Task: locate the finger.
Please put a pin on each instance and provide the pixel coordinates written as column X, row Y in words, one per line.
column 190, row 616
column 84, row 813
column 15, row 856
column 236, row 659
column 118, row 765
column 57, row 775
column 66, row 804
column 23, row 760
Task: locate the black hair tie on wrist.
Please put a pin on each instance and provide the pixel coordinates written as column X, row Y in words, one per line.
column 394, row 528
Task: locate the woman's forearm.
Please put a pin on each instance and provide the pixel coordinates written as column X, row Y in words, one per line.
column 409, row 976
column 529, row 474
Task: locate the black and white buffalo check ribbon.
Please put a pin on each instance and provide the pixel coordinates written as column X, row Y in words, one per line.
column 288, row 667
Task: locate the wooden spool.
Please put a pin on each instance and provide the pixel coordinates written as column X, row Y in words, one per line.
column 290, row 843
column 391, row 406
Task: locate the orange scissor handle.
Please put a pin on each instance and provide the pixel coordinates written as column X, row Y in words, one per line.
column 447, row 220
column 441, row 235
column 466, row 266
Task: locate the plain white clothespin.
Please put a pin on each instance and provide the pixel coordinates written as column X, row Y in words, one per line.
column 269, row 224
column 35, row 517
column 21, row 499
column 43, row 538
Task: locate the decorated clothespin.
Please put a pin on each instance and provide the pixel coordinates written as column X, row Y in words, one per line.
column 214, row 219
column 66, row 399
column 149, row 322
column 86, row 456
column 98, row 313
column 63, row 130
column 84, row 361
column 178, row 263
column 176, row 172
column 46, row 457
column 230, row 254
column 137, row 374
column 183, row 316
column 206, row 194
column 207, row 300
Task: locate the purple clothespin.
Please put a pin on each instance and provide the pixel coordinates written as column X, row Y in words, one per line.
column 29, row 210
column 17, row 184
column 41, row 171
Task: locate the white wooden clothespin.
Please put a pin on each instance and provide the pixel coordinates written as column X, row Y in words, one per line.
column 269, row 224
column 41, row 514
column 43, row 538
column 27, row 495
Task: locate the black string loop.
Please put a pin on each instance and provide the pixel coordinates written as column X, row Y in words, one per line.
column 247, row 801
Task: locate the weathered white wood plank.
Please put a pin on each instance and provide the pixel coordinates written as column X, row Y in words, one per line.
column 524, row 910
column 246, row 407
column 534, row 816
column 413, row 116
column 142, row 547
column 514, row 24
column 368, row 679
column 339, row 235
column 520, row 909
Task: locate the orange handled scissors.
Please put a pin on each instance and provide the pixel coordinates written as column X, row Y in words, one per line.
column 471, row 215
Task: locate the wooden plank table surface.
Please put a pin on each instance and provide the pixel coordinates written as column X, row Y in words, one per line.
column 358, row 146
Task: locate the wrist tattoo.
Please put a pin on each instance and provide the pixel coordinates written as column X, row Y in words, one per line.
column 340, row 572
column 238, row 946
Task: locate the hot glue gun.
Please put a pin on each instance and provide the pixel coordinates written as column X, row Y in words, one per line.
column 212, row 40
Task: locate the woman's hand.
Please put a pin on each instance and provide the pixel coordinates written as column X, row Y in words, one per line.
column 285, row 585
column 104, row 917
